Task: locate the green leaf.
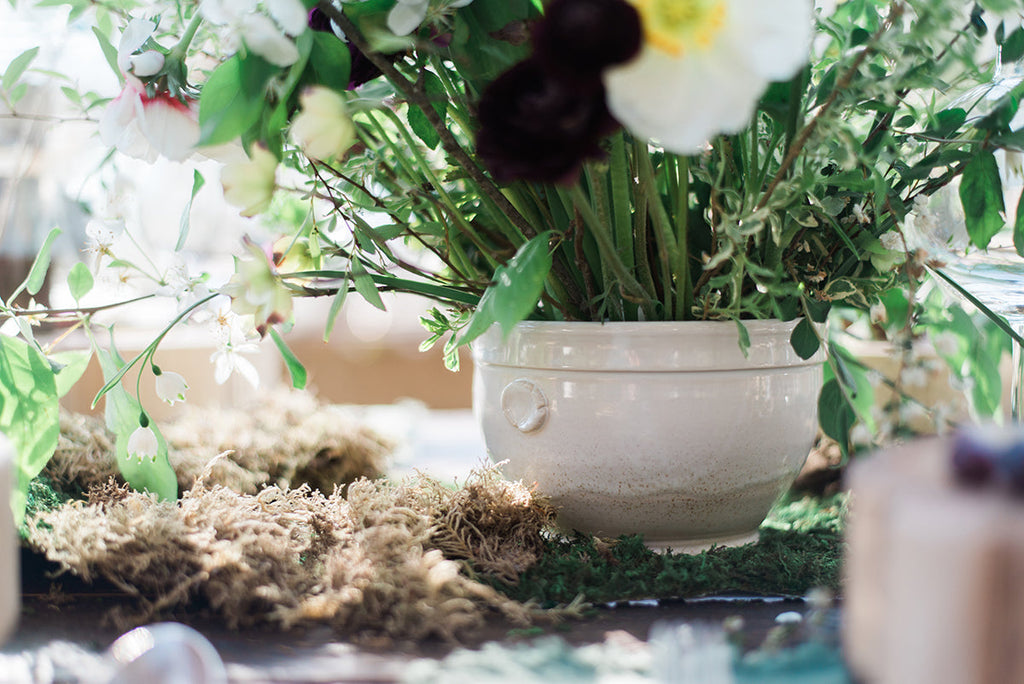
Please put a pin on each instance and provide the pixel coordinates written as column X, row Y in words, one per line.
column 330, row 61
column 514, row 293
column 37, row 276
column 1013, row 46
column 80, row 280
column 71, row 367
column 744, row 337
column 295, row 367
column 28, row 413
column 336, row 304
column 122, row 413
column 1018, row 226
column 805, row 339
column 17, row 67
column 981, row 193
column 946, row 122
column 183, row 225
column 233, row 98
column 439, row 101
column 364, row 285
column 109, row 51
column 835, row 415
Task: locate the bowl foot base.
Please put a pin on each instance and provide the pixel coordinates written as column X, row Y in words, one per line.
column 698, row 545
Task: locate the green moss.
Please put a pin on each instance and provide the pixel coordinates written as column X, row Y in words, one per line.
column 42, row 497
column 800, row 548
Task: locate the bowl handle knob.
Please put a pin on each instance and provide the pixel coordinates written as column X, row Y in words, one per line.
column 525, row 405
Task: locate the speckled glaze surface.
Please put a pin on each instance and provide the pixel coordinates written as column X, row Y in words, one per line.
column 662, row 429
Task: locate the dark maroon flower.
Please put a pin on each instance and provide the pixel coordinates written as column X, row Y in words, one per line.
column 534, row 126
column 580, row 38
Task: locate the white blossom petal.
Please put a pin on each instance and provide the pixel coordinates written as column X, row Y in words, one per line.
column 171, row 127
column 149, row 63
column 223, row 12
column 143, row 444
column 405, row 17
column 323, row 128
column 135, row 34
column 263, row 37
column 291, row 15
column 170, row 387
column 682, row 97
column 249, row 184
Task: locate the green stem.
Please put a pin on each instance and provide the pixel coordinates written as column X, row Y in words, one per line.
column 151, row 349
column 609, row 256
column 684, row 285
column 181, row 47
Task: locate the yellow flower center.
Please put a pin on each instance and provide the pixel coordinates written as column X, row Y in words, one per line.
column 673, row 26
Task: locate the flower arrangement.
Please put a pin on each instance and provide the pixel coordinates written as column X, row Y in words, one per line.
column 566, row 159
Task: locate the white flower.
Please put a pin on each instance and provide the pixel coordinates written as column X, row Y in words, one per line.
column 267, row 36
column 23, row 322
column 141, row 125
column 232, row 342
column 143, row 444
column 892, row 240
column 184, row 287
column 255, row 289
column 249, row 184
column 703, row 66
column 407, row 15
column 323, row 128
column 262, row 36
column 170, row 387
column 147, row 127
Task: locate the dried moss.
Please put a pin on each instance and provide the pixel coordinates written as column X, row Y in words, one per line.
column 284, row 438
column 364, row 563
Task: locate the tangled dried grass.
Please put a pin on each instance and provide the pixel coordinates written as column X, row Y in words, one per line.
column 286, row 439
column 371, row 562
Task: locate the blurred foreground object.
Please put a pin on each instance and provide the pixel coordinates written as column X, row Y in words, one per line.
column 933, row 554
column 10, row 586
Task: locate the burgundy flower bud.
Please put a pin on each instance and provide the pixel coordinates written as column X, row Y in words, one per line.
column 974, row 459
column 534, row 126
column 580, row 38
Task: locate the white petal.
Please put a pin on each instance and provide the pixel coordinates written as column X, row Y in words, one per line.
column 248, row 371
column 776, row 35
column 226, row 11
column 149, row 63
column 221, row 366
column 249, row 184
column 143, row 444
column 263, row 37
column 322, row 129
column 170, row 387
column 290, row 14
column 404, row 18
column 681, row 103
column 135, row 34
column 120, row 127
column 455, row 4
column 170, row 127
